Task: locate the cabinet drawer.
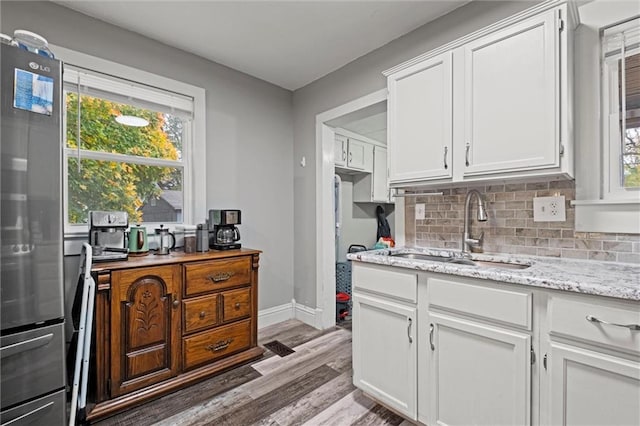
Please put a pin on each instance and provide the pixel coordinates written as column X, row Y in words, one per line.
column 200, row 313
column 236, row 304
column 395, row 283
column 220, row 342
column 569, row 318
column 511, row 307
column 204, row 277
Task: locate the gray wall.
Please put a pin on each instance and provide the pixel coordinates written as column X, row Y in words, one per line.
column 249, row 131
column 359, row 78
column 359, row 220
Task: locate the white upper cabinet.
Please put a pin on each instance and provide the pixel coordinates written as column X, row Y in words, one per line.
column 352, row 155
column 420, row 121
column 340, row 151
column 511, row 98
column 494, row 104
column 373, row 187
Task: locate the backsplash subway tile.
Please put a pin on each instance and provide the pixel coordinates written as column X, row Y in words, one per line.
column 510, row 228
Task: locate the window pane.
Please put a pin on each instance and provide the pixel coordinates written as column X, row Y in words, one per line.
column 99, row 130
column 147, row 193
column 631, row 158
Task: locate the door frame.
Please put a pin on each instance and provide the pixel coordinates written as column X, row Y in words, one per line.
column 325, row 236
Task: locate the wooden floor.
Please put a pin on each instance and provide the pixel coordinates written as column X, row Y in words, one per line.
column 312, row 386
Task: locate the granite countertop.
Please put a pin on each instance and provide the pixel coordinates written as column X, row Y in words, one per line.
column 612, row 279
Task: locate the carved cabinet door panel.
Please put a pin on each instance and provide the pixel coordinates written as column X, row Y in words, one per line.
column 145, row 327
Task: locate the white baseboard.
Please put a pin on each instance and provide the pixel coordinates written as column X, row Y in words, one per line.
column 275, row 315
column 289, row 311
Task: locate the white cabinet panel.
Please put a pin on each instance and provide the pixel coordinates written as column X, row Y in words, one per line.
column 357, row 154
column 478, row 374
column 384, row 352
column 340, row 151
column 380, row 185
column 420, row 121
column 589, row 388
column 511, row 100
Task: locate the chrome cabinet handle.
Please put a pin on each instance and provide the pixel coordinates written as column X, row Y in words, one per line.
column 544, row 361
column 350, row 157
column 344, row 155
column 634, row 327
column 466, row 154
column 433, row 348
column 446, row 150
column 409, row 330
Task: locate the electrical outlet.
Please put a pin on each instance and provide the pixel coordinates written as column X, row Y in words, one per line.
column 419, row 211
column 549, row 209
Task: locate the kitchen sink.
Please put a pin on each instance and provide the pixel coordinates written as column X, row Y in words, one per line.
column 420, row 256
column 460, row 261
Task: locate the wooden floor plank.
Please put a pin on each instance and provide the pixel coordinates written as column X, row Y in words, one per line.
column 295, row 369
column 177, row 402
column 311, row 404
column 303, row 351
column 281, row 397
column 344, row 412
column 379, row 415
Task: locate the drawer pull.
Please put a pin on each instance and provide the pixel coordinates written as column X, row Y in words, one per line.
column 220, row 276
column 634, row 327
column 237, row 305
column 431, row 337
column 203, row 314
column 409, row 330
column 219, row 345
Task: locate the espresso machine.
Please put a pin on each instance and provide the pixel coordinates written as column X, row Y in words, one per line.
column 107, row 235
column 224, row 235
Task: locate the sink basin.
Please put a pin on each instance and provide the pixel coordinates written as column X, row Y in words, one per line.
column 460, row 261
column 420, row 256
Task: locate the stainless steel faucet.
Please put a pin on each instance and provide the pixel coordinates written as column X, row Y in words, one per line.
column 467, row 241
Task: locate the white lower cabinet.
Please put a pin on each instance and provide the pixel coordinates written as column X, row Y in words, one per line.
column 449, row 350
column 384, row 351
column 593, row 364
column 480, row 374
column 591, row 388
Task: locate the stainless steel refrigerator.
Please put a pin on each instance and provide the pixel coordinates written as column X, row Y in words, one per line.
column 32, row 369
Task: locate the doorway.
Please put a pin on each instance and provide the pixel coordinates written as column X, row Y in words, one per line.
column 326, row 123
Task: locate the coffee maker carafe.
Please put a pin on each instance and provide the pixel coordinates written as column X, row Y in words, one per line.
column 225, row 234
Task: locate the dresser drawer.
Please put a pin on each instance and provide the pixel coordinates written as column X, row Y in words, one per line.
column 569, row 318
column 236, row 304
column 200, row 313
column 217, row 343
column 202, row 277
column 467, row 297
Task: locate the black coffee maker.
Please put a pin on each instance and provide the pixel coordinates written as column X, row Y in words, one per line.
column 224, row 235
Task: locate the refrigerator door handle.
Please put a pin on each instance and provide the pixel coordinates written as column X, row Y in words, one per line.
column 25, row 345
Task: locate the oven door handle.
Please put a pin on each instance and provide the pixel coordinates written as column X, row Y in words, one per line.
column 25, row 345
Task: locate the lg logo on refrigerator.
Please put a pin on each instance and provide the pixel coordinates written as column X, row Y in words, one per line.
column 36, row 66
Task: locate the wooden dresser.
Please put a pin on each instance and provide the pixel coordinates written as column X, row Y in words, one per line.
column 166, row 322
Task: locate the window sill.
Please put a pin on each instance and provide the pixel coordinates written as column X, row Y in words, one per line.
column 607, row 216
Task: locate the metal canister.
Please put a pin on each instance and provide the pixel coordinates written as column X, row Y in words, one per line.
column 202, row 238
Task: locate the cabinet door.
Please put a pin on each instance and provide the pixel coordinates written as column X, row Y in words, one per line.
column 145, row 327
column 384, row 352
column 357, row 154
column 479, row 374
column 589, row 388
column 511, row 99
column 380, row 185
column 420, row 121
column 340, row 151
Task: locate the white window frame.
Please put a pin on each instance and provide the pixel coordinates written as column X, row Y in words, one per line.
column 596, row 208
column 611, row 137
column 193, row 153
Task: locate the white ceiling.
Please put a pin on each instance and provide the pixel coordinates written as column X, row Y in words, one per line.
column 287, row 43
